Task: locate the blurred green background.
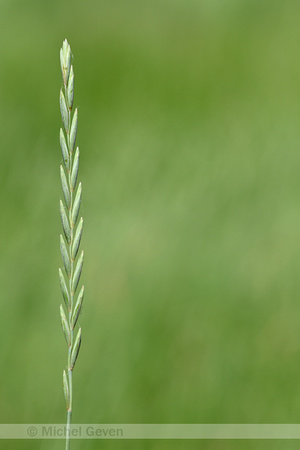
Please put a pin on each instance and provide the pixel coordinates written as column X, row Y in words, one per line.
column 189, row 115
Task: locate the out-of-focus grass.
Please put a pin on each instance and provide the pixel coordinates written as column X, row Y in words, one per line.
column 189, row 119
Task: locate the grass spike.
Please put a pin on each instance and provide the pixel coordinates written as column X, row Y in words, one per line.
column 69, row 214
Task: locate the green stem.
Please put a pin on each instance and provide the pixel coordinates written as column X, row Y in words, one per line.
column 68, row 430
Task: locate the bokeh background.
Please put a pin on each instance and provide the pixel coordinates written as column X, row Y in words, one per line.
column 189, row 130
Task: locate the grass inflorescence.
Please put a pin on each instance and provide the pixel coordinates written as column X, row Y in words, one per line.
column 69, row 277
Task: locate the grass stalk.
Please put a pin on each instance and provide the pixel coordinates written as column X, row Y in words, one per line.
column 72, row 228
